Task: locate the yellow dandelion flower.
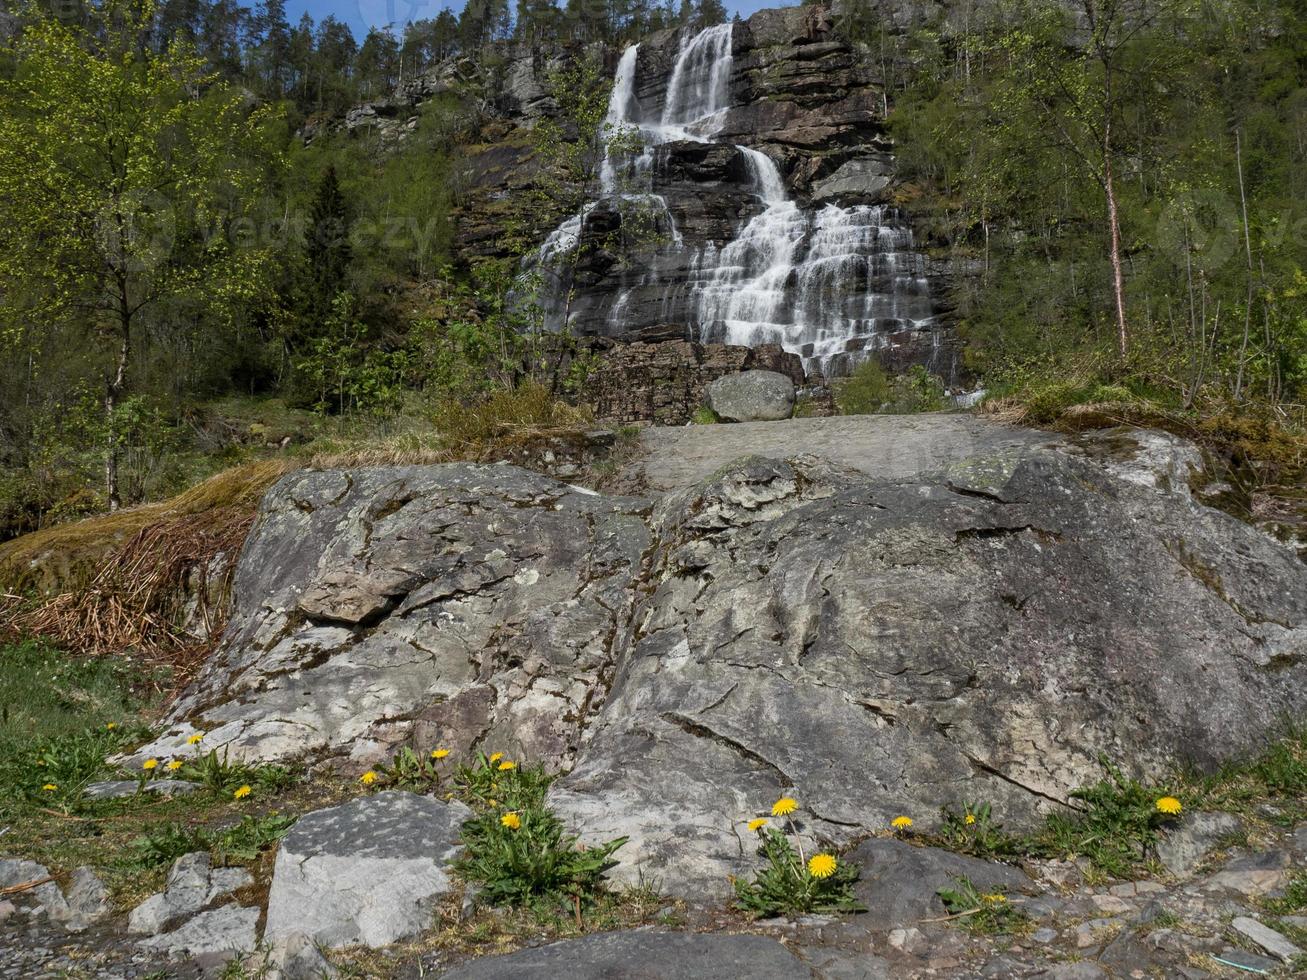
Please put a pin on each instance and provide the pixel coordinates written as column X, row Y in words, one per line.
column 496, row 757
column 994, row 899
column 175, row 764
column 111, row 726
column 1169, row 805
column 901, row 823
column 195, row 739
column 506, row 765
column 492, row 803
column 970, row 819
column 49, row 787
column 511, row 820
column 821, row 865
column 439, row 753
column 368, row 778
column 784, row 806
column 757, row 823
column 241, row 793
column 149, row 764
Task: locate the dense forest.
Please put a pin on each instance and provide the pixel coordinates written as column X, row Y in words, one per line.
column 187, row 241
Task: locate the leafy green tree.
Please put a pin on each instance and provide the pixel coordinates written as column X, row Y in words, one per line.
column 121, row 173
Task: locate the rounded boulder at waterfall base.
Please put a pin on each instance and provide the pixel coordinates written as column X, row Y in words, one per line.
column 752, row 396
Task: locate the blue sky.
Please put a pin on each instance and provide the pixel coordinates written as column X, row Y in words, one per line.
column 360, row 14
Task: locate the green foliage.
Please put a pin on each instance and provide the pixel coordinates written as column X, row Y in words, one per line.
column 703, row 415
column 414, row 771
column 238, row 844
column 871, row 390
column 1117, row 830
column 973, row 830
column 786, row 884
column 55, row 718
column 242, row 842
column 516, row 849
column 1185, row 112
column 222, row 777
column 522, row 857
column 494, row 782
column 161, row 846
column 980, row 913
column 346, row 373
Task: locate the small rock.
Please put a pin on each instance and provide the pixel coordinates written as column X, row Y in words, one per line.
column 212, row 936
column 1044, row 935
column 1266, row 937
column 906, row 940
column 1132, row 888
column 369, row 871
column 293, row 957
column 184, row 894
column 1111, row 905
column 86, row 901
column 1082, row 970
column 1093, row 932
column 1258, row 874
column 113, row 789
column 1184, row 848
column 224, row 881
column 6, row 910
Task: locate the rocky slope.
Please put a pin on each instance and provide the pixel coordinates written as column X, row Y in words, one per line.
column 980, row 629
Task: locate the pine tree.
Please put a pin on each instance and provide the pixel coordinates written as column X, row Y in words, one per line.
column 327, row 251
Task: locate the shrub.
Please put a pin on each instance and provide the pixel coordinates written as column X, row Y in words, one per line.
column 871, row 390
column 790, row 883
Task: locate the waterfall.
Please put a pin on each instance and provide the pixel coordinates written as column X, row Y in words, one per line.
column 830, row 284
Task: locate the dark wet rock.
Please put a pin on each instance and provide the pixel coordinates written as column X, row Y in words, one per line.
column 899, row 883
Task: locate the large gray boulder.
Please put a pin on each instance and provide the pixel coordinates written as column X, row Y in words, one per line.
column 881, row 648
column 875, row 641
column 454, row 604
column 641, row 955
column 369, row 871
column 752, row 396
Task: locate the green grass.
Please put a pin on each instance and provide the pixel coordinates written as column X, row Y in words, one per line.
column 46, row 695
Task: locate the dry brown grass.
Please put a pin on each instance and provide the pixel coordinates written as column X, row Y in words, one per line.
column 61, row 558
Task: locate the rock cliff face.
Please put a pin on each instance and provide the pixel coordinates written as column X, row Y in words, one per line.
column 758, row 211
column 873, row 645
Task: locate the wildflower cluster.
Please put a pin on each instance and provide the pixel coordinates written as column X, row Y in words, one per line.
column 791, row 882
column 419, row 772
column 220, row 776
column 973, row 830
column 515, row 849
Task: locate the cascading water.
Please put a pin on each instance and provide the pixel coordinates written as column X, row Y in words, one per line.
column 829, row 284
